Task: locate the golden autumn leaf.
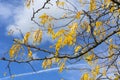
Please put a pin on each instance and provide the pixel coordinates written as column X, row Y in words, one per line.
column 98, row 24
column 44, row 64
column 30, row 54
column 37, row 36
column 58, row 44
column 112, row 9
column 62, row 66
column 14, row 50
column 90, row 57
column 26, row 37
column 85, row 76
column 78, row 15
column 97, row 69
column 77, row 48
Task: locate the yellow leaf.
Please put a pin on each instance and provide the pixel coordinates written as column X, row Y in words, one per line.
column 90, row 57
column 58, row 44
column 112, row 9
column 49, row 63
column 88, row 29
column 62, row 66
column 77, row 48
column 85, row 76
column 37, row 36
column 44, row 64
column 26, row 37
column 30, row 54
column 97, row 69
column 78, row 14
column 98, row 24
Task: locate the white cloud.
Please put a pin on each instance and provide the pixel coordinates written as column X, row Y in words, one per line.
column 22, row 17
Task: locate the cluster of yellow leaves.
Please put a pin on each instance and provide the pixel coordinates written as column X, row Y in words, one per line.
column 65, row 37
column 26, row 37
column 92, row 5
column 14, row 50
column 85, row 25
column 99, row 30
column 111, row 48
column 78, row 14
column 96, row 71
column 47, row 63
column 60, row 3
column 45, row 18
column 70, row 37
column 37, row 36
column 86, row 76
column 58, row 33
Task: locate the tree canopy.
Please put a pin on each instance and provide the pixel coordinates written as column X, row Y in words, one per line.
column 85, row 31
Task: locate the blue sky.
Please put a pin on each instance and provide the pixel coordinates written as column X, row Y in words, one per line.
column 13, row 13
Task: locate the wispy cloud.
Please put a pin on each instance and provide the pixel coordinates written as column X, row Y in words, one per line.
column 41, row 71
